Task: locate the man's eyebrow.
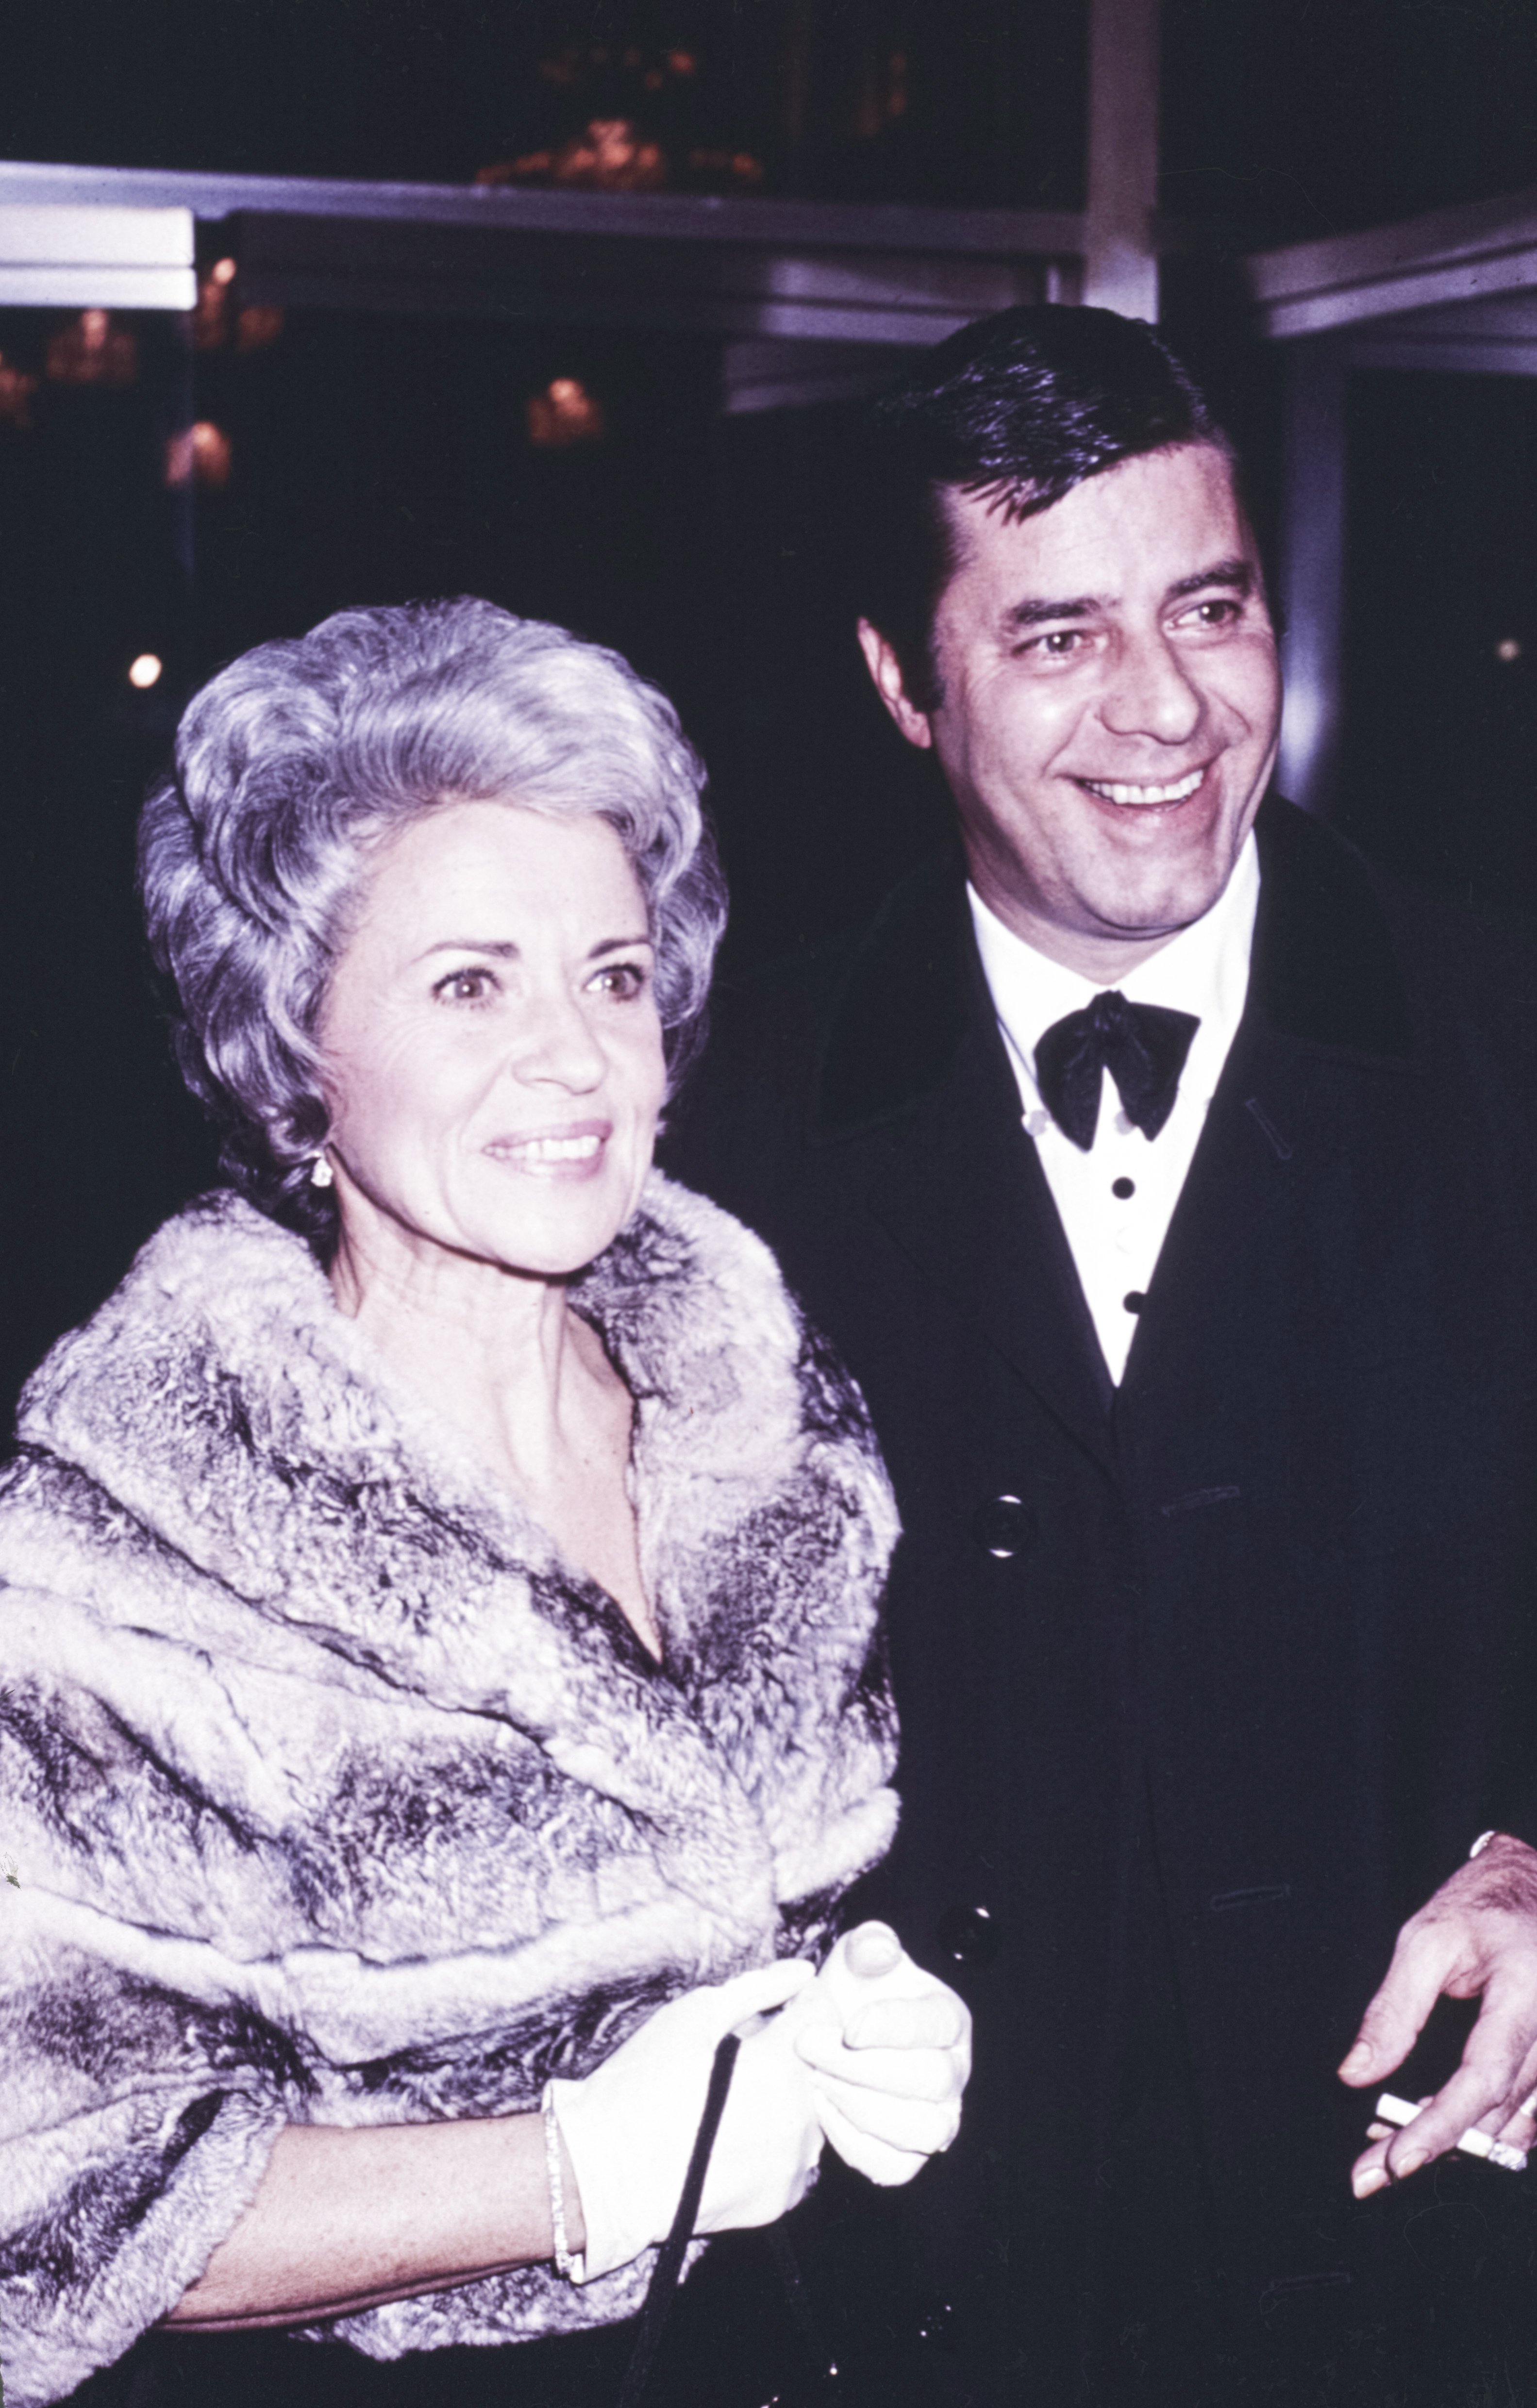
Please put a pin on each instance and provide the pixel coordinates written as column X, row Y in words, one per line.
column 1032, row 612
column 1235, row 575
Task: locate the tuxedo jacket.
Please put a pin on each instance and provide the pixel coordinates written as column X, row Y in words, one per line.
column 1251, row 1635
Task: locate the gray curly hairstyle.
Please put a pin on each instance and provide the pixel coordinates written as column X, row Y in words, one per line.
column 294, row 759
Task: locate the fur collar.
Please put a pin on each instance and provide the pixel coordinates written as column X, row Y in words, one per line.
column 310, row 1736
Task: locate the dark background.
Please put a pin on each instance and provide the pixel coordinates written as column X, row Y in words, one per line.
column 377, row 458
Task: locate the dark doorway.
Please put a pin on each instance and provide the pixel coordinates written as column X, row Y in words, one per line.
column 1440, row 670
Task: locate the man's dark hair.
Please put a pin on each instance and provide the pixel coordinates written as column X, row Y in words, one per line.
column 1022, row 406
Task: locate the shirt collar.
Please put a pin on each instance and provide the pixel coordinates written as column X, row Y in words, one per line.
column 1204, row 970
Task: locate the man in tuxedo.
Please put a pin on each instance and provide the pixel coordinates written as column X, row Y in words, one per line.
column 1168, row 1178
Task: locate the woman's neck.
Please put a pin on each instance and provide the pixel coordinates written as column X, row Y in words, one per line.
column 486, row 1348
column 500, row 1357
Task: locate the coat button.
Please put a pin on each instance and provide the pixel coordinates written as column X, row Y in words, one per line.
column 967, row 1935
column 1003, row 1527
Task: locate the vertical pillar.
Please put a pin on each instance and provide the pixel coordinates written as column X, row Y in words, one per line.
column 1120, row 265
column 1312, row 534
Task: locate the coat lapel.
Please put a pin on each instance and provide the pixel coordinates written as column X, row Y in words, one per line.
column 1324, row 1045
column 914, row 1069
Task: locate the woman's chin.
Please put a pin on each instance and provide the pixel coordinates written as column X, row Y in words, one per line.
column 551, row 1238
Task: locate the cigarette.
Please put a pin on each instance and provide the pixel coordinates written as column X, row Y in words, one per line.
column 1472, row 2144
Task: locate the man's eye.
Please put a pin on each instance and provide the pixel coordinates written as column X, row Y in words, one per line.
column 1056, row 644
column 1217, row 610
column 466, row 986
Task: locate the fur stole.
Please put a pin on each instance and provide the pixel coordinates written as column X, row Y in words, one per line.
column 336, row 1796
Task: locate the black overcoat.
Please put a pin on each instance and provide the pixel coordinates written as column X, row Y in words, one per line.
column 1207, row 1684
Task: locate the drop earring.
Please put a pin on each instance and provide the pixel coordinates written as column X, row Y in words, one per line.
column 320, row 1173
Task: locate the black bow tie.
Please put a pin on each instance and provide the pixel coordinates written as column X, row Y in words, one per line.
column 1142, row 1046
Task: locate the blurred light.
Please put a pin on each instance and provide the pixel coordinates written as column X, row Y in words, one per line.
column 682, row 63
column 612, row 156
column 257, row 325
column 145, row 671
column 16, row 391
column 210, row 318
column 92, row 351
column 564, row 413
column 1507, row 648
column 740, row 167
column 532, row 165
column 199, row 455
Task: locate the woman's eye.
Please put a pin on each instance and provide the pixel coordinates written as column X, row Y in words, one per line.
column 623, row 980
column 466, row 986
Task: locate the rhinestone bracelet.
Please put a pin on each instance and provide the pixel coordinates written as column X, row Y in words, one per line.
column 569, row 2262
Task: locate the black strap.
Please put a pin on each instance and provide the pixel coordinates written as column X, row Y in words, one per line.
column 823, row 2365
column 665, row 2275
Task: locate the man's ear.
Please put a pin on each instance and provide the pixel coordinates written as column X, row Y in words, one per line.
column 890, row 684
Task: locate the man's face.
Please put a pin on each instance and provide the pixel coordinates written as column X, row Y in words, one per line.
column 1109, row 705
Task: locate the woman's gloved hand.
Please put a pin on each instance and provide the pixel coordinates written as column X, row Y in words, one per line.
column 629, row 2127
column 890, row 2048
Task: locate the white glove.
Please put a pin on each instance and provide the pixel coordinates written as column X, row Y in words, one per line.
column 629, row 2128
column 890, row 2047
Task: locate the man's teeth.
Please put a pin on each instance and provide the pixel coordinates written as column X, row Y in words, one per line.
column 1174, row 793
column 557, row 1149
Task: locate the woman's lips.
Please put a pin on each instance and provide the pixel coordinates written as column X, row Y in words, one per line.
column 572, row 1151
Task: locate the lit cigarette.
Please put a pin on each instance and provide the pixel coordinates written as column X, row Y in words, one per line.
column 1472, row 2144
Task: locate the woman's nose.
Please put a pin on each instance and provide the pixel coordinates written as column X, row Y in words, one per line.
column 556, row 1046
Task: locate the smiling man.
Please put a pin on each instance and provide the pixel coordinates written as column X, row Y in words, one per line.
column 1105, row 702
column 1169, row 1178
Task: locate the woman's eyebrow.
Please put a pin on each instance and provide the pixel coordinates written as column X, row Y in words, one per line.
column 501, row 949
column 499, row 946
column 618, row 944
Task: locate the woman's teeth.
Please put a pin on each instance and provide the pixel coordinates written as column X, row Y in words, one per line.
column 1174, row 793
column 557, row 1149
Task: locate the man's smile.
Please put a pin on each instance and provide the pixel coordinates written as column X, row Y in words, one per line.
column 1141, row 797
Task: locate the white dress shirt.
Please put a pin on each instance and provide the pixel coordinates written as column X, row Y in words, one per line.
column 1116, row 1201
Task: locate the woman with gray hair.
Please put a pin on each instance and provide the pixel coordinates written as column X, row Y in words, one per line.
column 440, row 1687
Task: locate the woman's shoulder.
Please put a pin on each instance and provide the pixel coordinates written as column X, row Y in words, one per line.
column 694, row 1307
column 684, row 1278
column 208, row 1293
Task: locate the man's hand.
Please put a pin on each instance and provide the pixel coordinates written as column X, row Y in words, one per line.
column 1476, row 1938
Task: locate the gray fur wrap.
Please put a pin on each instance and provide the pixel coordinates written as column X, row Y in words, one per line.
column 337, row 1796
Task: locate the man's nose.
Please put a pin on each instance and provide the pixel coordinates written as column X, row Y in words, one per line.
column 1149, row 692
column 554, row 1046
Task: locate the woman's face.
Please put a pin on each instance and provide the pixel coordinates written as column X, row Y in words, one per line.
column 491, row 1050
